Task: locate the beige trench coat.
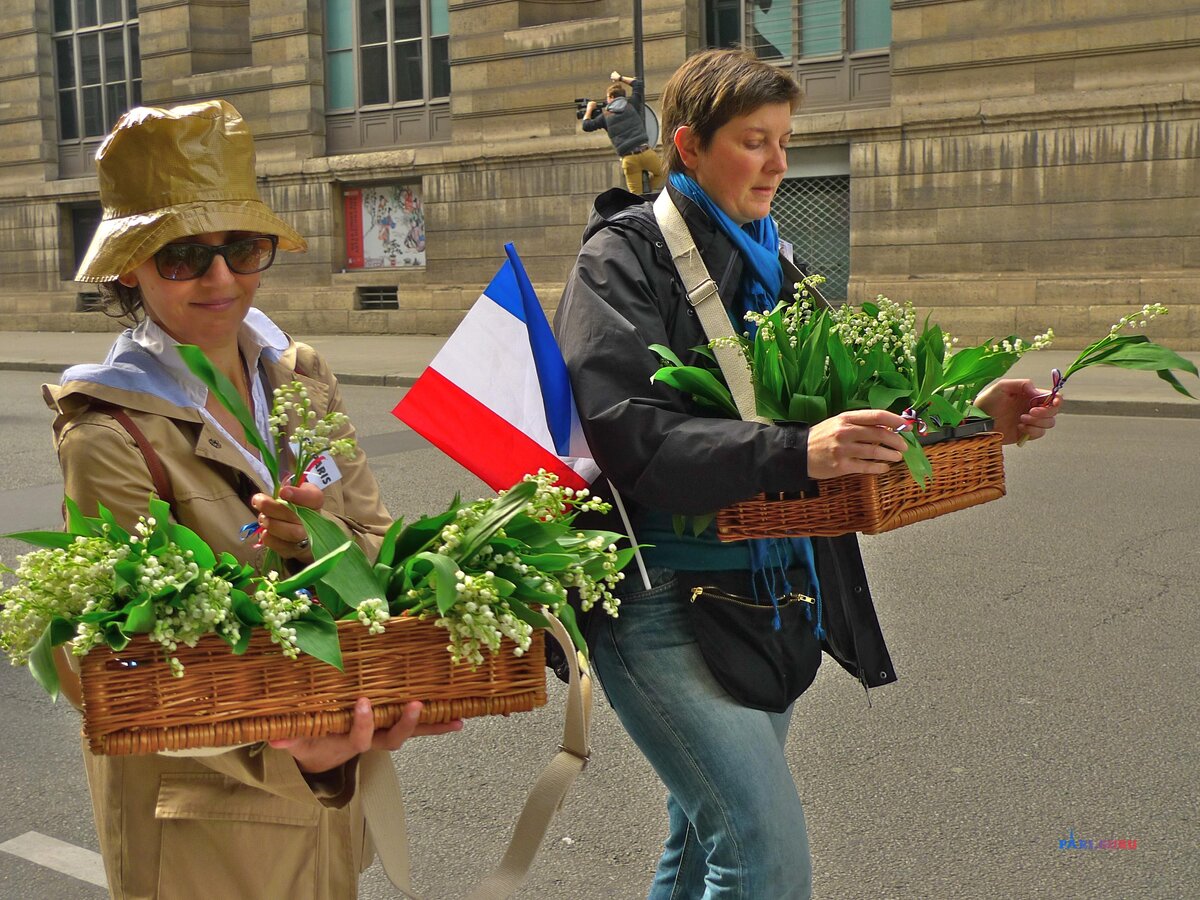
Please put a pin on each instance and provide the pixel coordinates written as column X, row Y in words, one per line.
column 242, row 824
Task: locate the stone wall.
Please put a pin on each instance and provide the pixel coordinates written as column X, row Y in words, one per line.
column 1038, row 164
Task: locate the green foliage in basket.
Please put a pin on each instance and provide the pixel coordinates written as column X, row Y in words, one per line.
column 809, row 362
column 97, row 584
column 482, row 569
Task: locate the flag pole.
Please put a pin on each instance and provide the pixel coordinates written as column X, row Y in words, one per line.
column 637, row 553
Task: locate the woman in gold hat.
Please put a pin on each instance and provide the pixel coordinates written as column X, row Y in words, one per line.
column 181, row 248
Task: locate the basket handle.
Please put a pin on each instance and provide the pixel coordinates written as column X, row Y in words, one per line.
column 383, row 805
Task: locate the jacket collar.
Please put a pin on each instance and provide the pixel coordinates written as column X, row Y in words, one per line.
column 617, row 207
column 144, row 370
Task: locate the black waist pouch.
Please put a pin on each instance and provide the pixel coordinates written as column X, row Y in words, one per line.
column 760, row 666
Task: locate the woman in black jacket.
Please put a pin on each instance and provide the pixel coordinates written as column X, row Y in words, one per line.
column 736, row 822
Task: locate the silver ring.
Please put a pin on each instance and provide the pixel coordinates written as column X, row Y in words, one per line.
column 303, row 544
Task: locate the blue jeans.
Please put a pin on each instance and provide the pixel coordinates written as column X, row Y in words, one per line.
column 737, row 827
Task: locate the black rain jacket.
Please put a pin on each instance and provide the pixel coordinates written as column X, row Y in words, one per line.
column 651, row 441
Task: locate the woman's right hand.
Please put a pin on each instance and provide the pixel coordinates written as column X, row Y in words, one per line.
column 316, row 755
column 860, row 442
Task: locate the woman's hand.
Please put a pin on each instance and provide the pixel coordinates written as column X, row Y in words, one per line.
column 1008, row 402
column 316, row 755
column 861, row 442
column 282, row 530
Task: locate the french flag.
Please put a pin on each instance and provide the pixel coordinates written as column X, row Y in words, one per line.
column 496, row 398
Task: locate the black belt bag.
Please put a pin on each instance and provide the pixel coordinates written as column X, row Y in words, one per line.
column 760, row 666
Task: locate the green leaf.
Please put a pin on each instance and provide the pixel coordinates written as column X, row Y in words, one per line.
column 947, row 414
column 882, row 397
column 229, row 398
column 918, row 463
column 421, row 534
column 116, row 533
column 494, row 518
column 525, row 614
column 566, row 615
column 701, row 384
column 549, row 562
column 316, row 635
column 387, row 549
column 314, row 571
column 77, row 522
column 352, row 578
column 807, row 409
column 666, row 353
column 50, row 539
column 533, row 533
column 41, row 657
column 140, row 618
column 700, row 523
column 444, row 572
column 202, row 554
column 247, row 611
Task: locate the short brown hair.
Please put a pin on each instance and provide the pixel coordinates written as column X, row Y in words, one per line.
column 616, row 89
column 715, row 86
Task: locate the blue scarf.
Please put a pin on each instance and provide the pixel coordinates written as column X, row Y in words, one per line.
column 758, row 244
column 762, row 280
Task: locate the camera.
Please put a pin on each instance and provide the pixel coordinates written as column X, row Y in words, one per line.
column 581, row 106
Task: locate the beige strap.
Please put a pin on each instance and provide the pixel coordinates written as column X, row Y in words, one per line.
column 702, row 295
column 383, row 805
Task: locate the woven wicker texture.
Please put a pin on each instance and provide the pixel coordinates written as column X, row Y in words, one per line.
column 966, row 472
column 224, row 700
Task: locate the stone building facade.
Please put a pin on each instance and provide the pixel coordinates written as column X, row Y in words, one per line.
column 1010, row 165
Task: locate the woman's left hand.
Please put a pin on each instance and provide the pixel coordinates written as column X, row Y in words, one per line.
column 283, row 531
column 1009, row 400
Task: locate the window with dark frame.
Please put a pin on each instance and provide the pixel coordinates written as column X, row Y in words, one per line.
column 84, row 218
column 836, row 49
column 386, row 52
column 97, row 66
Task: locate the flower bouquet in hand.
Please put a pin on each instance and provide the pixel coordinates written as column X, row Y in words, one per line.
column 1128, row 351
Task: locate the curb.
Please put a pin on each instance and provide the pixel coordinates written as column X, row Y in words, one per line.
column 1149, row 409
column 345, row 378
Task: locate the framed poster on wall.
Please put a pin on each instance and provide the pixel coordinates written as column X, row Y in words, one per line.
column 385, row 227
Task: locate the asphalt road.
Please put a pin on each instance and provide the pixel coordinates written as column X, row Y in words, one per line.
column 1046, row 651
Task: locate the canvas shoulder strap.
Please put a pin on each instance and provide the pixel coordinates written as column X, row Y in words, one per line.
column 704, row 299
column 383, row 805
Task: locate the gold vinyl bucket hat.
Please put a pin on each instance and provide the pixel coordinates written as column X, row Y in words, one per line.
column 167, row 174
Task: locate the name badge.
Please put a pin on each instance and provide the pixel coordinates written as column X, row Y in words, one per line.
column 322, row 471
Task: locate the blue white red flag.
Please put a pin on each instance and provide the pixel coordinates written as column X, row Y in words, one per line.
column 496, row 398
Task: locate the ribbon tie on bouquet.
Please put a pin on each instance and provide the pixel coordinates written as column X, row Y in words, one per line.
column 912, row 422
column 1057, row 383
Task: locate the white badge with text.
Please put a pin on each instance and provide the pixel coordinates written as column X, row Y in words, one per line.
column 322, row 471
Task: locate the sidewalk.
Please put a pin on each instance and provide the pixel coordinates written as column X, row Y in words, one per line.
column 397, row 360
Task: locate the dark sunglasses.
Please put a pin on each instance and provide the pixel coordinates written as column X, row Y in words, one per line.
column 183, row 262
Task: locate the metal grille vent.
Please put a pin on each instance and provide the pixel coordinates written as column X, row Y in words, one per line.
column 814, row 215
column 378, row 298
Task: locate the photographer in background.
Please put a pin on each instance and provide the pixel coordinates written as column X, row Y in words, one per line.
column 622, row 118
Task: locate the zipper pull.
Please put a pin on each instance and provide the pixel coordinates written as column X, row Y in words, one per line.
column 696, row 592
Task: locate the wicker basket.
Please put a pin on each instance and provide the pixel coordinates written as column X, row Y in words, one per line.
column 132, row 703
column 966, row 472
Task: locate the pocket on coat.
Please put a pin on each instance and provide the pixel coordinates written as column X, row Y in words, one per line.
column 222, row 838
